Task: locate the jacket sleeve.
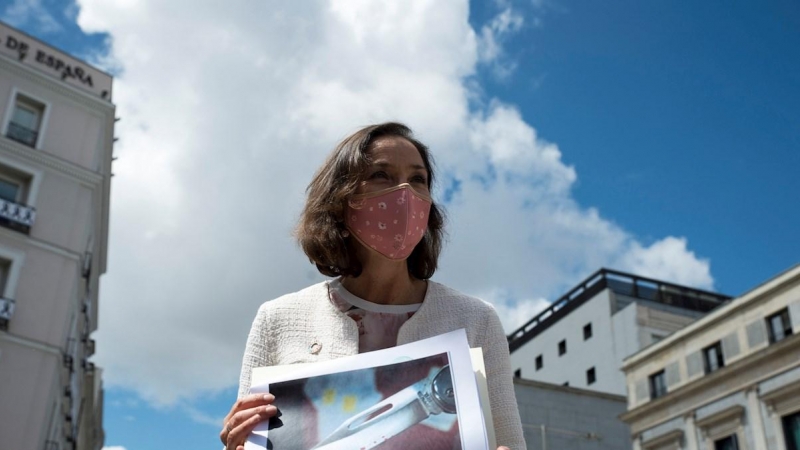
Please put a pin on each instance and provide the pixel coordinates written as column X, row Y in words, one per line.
column 256, row 352
column 507, row 424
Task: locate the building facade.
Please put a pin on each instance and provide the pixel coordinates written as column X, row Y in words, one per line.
column 583, row 337
column 730, row 381
column 556, row 417
column 56, row 121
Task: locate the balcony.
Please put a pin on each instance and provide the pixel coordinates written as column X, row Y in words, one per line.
column 22, row 134
column 89, row 346
column 6, row 312
column 52, row 445
column 17, row 216
column 69, row 355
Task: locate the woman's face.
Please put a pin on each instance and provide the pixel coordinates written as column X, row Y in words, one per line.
column 395, row 161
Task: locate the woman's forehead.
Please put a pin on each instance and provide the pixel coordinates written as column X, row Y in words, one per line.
column 394, row 150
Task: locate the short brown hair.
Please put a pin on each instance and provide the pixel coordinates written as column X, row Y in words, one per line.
column 321, row 230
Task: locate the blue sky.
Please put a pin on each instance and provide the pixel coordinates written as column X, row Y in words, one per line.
column 679, row 119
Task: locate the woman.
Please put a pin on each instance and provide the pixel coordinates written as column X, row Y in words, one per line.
column 369, row 221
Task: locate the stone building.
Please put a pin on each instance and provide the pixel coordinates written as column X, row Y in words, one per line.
column 56, row 137
column 730, row 381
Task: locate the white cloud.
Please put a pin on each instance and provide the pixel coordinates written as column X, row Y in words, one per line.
column 114, row 447
column 227, row 109
column 21, row 12
column 492, row 36
column 669, row 259
column 513, row 312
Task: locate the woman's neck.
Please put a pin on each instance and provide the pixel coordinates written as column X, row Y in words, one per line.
column 385, row 282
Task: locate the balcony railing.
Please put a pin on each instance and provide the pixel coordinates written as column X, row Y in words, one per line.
column 6, row 312
column 89, row 345
column 16, row 215
column 52, row 445
column 22, row 134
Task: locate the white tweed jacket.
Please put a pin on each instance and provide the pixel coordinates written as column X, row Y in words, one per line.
column 305, row 327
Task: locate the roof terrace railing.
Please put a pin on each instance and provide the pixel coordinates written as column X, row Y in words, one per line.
column 621, row 283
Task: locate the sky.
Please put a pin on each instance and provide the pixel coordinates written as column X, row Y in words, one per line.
column 658, row 138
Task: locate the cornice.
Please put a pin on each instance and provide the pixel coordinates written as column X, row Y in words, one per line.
column 45, row 159
column 673, row 437
column 727, row 414
column 26, row 239
column 64, row 89
column 30, row 343
column 569, row 389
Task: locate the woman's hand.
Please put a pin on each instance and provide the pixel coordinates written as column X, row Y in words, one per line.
column 503, row 448
column 245, row 414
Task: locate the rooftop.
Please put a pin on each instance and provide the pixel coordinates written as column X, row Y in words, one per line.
column 59, row 66
column 620, row 283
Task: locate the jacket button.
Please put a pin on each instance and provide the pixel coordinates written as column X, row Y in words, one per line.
column 315, row 348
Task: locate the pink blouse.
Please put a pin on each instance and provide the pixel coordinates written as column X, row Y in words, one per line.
column 378, row 324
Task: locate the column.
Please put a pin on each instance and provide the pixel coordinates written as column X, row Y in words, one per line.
column 690, row 433
column 755, row 419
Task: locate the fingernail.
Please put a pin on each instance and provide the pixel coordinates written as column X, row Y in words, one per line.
column 270, row 410
column 269, row 397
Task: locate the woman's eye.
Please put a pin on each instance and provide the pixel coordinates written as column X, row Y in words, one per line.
column 378, row 175
column 419, row 179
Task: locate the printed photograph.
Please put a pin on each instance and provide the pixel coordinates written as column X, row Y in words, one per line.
column 410, row 404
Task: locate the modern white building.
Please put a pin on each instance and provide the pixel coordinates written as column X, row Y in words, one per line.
column 730, row 381
column 56, row 136
column 583, row 337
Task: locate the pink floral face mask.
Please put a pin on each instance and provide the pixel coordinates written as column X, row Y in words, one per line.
column 391, row 221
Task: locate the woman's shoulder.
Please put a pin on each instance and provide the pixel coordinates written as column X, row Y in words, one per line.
column 294, row 302
column 447, row 296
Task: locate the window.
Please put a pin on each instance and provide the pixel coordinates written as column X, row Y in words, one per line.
column 566, row 384
column 587, row 331
column 779, row 326
column 727, row 443
column 5, row 271
column 539, row 362
column 655, row 337
column 9, row 190
column 591, row 377
column 25, row 121
column 562, row 347
column 518, row 373
column 713, row 358
column 658, row 385
column 791, row 431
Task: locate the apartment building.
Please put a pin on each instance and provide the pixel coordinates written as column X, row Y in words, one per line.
column 56, row 137
column 583, row 337
column 730, row 381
